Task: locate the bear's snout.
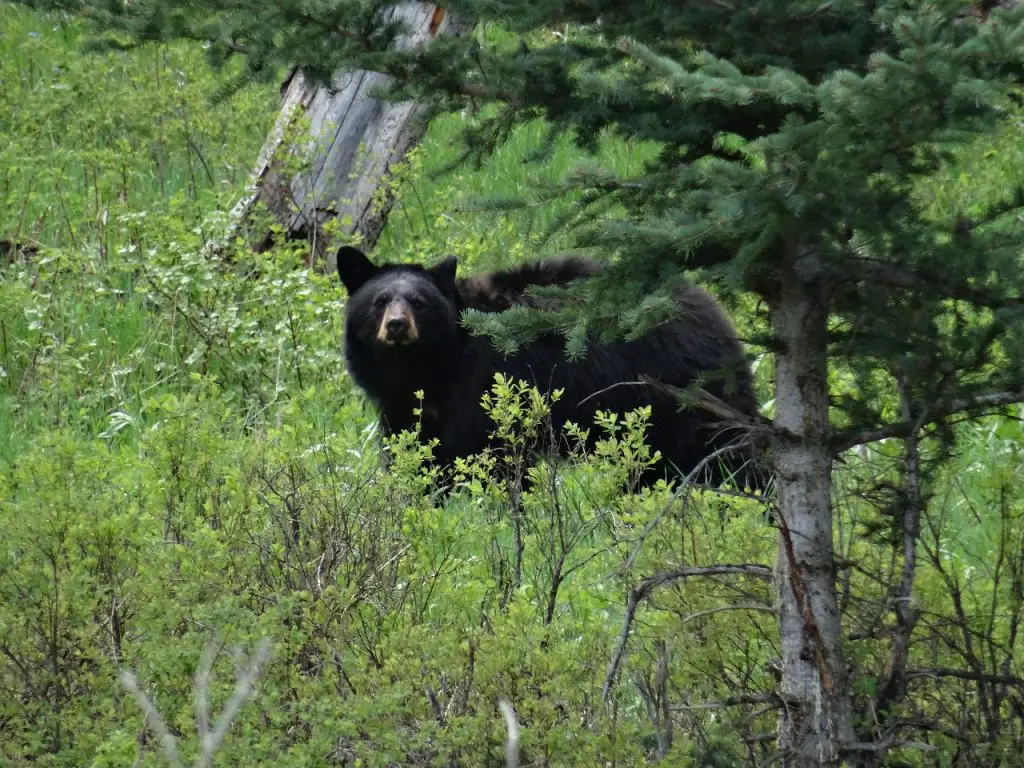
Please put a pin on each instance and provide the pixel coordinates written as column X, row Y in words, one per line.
column 397, row 324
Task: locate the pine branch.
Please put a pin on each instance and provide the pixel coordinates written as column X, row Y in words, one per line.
column 968, row 225
column 482, row 92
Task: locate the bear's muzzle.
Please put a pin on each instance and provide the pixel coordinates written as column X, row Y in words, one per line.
column 397, row 324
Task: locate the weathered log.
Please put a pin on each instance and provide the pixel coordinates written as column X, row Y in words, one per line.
column 354, row 142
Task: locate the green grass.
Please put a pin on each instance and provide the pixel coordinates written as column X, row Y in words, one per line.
column 452, row 208
column 104, row 161
column 87, row 138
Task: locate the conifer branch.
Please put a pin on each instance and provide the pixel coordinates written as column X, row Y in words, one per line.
column 486, row 93
column 234, row 47
column 968, row 225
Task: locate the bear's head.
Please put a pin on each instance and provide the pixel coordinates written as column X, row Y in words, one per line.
column 398, row 309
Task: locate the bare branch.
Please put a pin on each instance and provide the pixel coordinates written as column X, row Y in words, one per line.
column 645, row 587
column 880, row 272
column 167, row 740
column 772, row 699
column 203, row 690
column 616, row 385
column 843, row 441
column 886, row 745
column 892, row 686
column 706, row 402
column 512, row 742
column 683, row 491
column 762, row 607
column 655, row 694
column 234, row 47
column 758, row 571
column 988, row 400
column 243, row 690
column 435, row 706
column 709, row 403
column 965, row 674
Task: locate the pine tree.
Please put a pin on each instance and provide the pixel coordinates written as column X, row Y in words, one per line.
column 794, row 139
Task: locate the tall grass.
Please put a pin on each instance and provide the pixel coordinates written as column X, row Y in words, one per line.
column 85, row 139
column 455, row 209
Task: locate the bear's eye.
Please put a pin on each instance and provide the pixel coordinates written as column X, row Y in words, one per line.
column 415, row 302
column 380, row 302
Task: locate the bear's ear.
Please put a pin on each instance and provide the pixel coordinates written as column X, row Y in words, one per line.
column 444, row 273
column 354, row 268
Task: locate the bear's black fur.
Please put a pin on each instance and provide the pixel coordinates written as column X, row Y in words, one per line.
column 498, row 291
column 402, row 334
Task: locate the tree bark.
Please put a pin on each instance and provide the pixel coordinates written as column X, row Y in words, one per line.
column 818, row 723
column 354, row 140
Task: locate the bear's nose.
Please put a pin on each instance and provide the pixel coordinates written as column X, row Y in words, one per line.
column 397, row 327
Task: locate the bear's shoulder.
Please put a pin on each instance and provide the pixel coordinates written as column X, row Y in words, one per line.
column 502, row 289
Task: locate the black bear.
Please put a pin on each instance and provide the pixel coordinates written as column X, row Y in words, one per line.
column 403, row 334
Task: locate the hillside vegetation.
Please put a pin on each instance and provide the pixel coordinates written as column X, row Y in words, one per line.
column 186, row 469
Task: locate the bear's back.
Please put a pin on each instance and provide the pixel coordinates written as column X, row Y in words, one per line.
column 503, row 289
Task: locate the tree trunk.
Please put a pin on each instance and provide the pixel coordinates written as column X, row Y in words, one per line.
column 816, row 722
column 354, row 140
